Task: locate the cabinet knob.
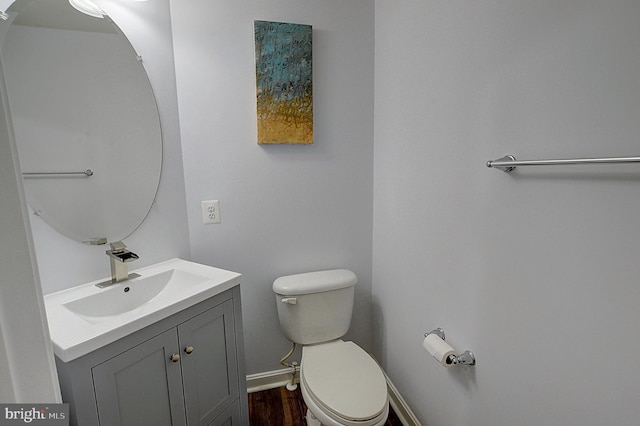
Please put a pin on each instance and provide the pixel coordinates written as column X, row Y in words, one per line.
column 175, row 357
column 188, row 349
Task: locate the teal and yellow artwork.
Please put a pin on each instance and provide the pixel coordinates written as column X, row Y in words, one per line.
column 284, row 83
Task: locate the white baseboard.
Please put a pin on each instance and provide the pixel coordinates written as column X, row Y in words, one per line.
column 400, row 406
column 269, row 380
column 277, row 378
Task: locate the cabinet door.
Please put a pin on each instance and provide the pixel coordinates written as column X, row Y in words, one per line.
column 209, row 366
column 230, row 417
column 142, row 386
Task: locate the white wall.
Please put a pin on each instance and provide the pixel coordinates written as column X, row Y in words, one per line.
column 285, row 209
column 27, row 370
column 536, row 271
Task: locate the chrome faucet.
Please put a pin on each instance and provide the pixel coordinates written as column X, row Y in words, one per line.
column 119, row 255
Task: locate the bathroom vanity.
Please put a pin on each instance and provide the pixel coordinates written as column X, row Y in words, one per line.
column 186, row 368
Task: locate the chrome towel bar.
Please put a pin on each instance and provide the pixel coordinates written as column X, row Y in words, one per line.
column 87, row 173
column 508, row 163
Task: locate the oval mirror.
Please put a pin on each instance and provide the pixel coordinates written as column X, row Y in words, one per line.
column 85, row 119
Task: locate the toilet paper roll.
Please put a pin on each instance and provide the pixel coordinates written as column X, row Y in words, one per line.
column 438, row 348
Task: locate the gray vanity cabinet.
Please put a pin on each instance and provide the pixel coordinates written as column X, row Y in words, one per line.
column 186, row 370
column 208, row 361
column 141, row 386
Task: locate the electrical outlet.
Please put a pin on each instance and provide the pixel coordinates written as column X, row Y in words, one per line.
column 210, row 212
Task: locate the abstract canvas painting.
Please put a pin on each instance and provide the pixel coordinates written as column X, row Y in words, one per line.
column 284, row 84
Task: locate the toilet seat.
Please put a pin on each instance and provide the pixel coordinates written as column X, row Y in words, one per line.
column 345, row 383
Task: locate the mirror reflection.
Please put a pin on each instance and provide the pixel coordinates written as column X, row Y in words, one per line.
column 80, row 100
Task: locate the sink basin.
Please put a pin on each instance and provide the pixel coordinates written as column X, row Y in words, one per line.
column 85, row 318
column 130, row 295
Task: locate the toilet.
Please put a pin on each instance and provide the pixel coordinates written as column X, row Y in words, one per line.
column 342, row 385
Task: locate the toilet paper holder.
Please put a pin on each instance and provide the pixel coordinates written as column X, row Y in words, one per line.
column 465, row 358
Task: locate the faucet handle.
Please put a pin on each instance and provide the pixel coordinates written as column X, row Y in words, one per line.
column 120, row 252
column 118, row 246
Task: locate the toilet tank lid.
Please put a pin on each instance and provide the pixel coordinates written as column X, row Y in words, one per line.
column 314, row 282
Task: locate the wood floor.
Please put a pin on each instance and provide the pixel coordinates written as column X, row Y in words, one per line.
column 280, row 407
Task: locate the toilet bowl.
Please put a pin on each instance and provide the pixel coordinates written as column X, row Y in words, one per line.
column 342, row 386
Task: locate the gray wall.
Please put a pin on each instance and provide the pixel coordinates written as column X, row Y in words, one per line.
column 536, row 272
column 285, row 209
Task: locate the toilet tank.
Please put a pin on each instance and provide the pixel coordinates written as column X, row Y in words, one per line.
column 315, row 307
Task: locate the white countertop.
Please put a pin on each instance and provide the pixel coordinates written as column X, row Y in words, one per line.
column 75, row 335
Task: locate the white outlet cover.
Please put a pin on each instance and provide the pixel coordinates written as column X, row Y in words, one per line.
column 211, row 212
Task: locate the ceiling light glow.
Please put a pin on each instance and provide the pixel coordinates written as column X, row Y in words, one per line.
column 87, row 7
